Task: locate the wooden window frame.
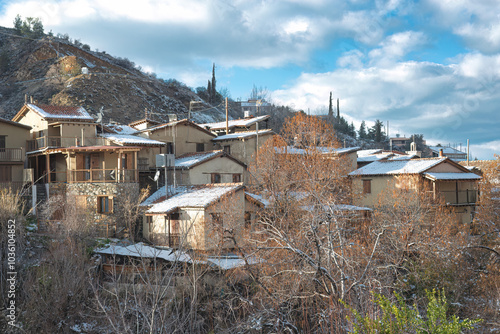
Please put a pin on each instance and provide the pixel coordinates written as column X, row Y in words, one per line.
column 236, row 178
column 109, row 204
column 367, row 186
column 215, row 178
column 227, row 149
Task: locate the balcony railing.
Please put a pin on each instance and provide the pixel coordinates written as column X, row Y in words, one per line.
column 11, row 154
column 94, row 175
column 55, row 141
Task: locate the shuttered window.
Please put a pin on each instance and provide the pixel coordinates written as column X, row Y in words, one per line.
column 367, row 186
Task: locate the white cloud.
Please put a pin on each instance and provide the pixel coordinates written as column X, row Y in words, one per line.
column 444, row 102
column 396, row 46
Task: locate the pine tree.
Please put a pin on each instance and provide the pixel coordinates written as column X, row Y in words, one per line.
column 209, row 91
column 213, row 92
column 362, row 130
column 18, row 24
column 330, row 108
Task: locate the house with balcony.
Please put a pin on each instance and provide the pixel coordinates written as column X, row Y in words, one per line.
column 68, row 158
column 446, row 179
column 13, row 137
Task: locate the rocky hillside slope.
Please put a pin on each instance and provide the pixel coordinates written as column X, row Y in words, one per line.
column 53, row 71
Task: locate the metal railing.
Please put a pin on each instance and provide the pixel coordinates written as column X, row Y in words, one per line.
column 11, row 154
column 57, row 141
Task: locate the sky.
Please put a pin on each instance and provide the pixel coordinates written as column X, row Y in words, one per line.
column 430, row 67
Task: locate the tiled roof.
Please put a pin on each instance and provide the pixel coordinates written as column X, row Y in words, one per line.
column 241, row 135
column 196, row 196
column 60, row 112
column 174, row 123
column 392, row 167
column 131, row 140
column 144, row 251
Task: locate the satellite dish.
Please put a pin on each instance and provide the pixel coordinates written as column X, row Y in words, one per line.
column 157, row 175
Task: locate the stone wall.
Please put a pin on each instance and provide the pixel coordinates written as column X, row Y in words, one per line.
column 107, row 224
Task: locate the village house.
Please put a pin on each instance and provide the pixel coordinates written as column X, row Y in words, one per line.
column 209, row 167
column 449, row 152
column 68, row 158
column 198, row 217
column 243, row 145
column 455, row 184
column 13, row 137
column 180, row 137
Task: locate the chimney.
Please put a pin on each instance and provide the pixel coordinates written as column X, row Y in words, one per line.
column 441, row 153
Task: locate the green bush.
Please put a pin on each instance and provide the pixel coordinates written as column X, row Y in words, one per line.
column 398, row 317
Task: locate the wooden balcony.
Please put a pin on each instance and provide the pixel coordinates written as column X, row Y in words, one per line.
column 94, row 176
column 56, row 142
column 11, row 155
column 461, row 197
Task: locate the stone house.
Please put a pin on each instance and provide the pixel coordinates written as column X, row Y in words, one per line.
column 455, row 184
column 197, row 217
column 69, row 158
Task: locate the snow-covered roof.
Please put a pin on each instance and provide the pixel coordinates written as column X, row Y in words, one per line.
column 244, row 122
column 319, row 149
column 197, row 197
column 231, row 262
column 242, row 135
column 258, row 198
column 145, row 251
column 121, row 129
column 392, row 167
column 189, row 160
column 131, row 140
column 452, row 176
column 363, row 153
column 58, row 112
column 157, row 195
column 374, row 157
column 174, row 123
column 336, row 207
column 446, row 150
column 403, row 157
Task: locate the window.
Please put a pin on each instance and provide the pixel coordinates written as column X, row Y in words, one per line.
column 227, row 149
column 367, row 186
column 104, row 204
column 5, row 173
column 248, row 219
column 216, row 218
column 200, row 147
column 215, row 178
column 149, row 221
column 236, row 178
column 2, row 142
column 170, row 148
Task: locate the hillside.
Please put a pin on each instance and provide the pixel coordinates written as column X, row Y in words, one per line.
column 50, row 71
